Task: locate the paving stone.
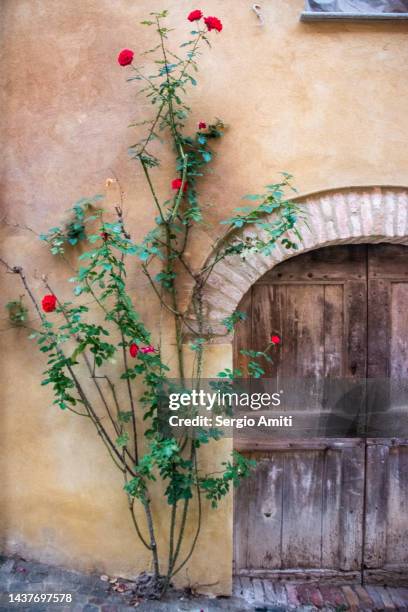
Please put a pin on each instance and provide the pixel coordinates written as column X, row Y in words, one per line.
column 7, row 566
column 397, row 597
column 316, row 597
column 332, row 595
column 366, row 603
column 303, row 593
column 388, row 603
column 259, row 592
column 293, row 599
column 376, row 597
column 97, row 601
column 351, row 598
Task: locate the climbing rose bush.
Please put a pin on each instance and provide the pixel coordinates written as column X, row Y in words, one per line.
column 97, row 343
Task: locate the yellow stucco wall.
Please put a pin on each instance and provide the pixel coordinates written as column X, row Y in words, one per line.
column 325, row 102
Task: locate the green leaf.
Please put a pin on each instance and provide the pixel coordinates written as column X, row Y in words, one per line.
column 125, row 417
column 122, row 440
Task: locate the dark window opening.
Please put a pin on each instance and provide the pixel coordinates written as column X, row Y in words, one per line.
column 354, row 9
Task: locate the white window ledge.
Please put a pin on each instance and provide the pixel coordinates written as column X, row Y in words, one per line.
column 326, row 15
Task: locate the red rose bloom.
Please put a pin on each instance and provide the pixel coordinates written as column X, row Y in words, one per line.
column 133, row 349
column 125, row 57
column 104, row 236
column 275, row 339
column 213, row 23
column 49, row 303
column 195, row 16
column 176, row 184
column 202, row 125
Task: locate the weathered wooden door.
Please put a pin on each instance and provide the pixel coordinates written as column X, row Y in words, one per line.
column 329, row 507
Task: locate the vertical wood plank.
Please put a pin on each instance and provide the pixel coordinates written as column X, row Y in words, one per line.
column 397, row 507
column 352, row 503
column 399, row 331
column 242, row 532
column 355, row 297
column 268, row 308
column 379, row 328
column 303, row 331
column 302, row 518
column 331, row 510
column 243, row 333
column 333, row 333
column 376, row 505
column 265, row 514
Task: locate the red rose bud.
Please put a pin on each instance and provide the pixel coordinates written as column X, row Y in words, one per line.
column 125, row 57
column 213, row 23
column 104, row 236
column 147, row 349
column 275, row 339
column 195, row 16
column 133, row 349
column 202, row 125
column 176, row 184
column 49, row 303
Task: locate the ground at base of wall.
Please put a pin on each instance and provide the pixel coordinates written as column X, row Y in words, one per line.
column 92, row 594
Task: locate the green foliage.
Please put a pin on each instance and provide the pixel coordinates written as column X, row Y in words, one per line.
column 197, row 344
column 17, row 312
column 233, row 319
column 283, row 216
column 215, row 488
column 74, row 230
column 122, row 440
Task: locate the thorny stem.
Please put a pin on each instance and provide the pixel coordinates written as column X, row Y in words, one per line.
column 146, row 503
column 152, row 189
column 197, row 533
column 151, row 131
column 163, row 303
column 183, row 518
column 131, row 504
column 93, row 377
column 131, row 400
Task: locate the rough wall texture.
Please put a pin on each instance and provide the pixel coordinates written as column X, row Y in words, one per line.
column 323, row 101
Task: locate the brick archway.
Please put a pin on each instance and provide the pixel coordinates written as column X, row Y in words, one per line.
column 344, row 216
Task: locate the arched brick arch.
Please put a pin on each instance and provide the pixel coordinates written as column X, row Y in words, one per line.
column 344, row 216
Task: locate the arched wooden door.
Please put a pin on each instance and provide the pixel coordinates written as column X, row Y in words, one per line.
column 334, row 508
